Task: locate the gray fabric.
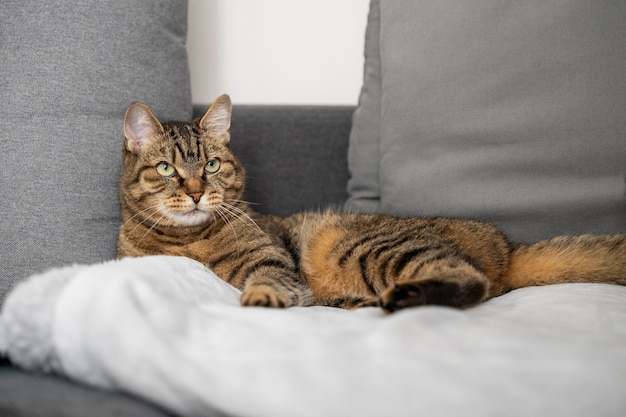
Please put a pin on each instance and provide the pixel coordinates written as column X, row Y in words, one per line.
column 511, row 112
column 295, row 156
column 67, row 72
column 24, row 394
column 364, row 152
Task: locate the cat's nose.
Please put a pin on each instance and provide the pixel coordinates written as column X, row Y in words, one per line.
column 196, row 196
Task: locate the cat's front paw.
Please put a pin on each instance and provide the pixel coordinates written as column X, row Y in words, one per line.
column 263, row 296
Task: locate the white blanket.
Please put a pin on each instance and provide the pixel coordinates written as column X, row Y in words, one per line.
column 168, row 330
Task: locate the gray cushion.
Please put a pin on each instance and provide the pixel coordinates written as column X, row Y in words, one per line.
column 363, row 151
column 511, row 112
column 67, row 72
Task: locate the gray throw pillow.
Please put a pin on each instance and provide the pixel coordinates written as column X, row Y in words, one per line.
column 505, row 111
column 363, row 152
column 67, row 72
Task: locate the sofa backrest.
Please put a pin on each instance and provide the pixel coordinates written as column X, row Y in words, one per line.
column 295, row 156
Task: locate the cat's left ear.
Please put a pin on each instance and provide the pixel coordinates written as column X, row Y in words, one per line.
column 140, row 127
column 216, row 121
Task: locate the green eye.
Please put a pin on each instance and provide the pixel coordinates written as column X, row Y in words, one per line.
column 212, row 166
column 165, row 170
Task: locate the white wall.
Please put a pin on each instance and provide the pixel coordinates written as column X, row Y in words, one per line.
column 277, row 51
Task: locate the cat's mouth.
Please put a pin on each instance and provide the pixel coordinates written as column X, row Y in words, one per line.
column 193, row 217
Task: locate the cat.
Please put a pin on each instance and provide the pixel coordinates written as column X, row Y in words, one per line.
column 181, row 191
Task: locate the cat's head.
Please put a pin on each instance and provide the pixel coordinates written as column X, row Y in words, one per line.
column 180, row 174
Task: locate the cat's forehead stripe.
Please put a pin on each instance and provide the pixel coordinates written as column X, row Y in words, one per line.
column 186, row 141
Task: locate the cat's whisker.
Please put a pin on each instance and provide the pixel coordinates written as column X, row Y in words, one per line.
column 244, row 202
column 219, row 211
column 140, row 212
column 245, row 220
column 156, row 210
column 241, row 215
column 153, row 226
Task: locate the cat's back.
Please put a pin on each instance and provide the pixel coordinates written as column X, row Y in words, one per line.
column 309, row 227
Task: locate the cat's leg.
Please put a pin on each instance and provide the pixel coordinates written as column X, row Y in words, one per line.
column 272, row 278
column 402, row 262
column 260, row 267
column 450, row 282
column 452, row 262
column 277, row 287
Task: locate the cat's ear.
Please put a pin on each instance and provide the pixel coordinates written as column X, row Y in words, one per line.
column 140, row 127
column 216, row 121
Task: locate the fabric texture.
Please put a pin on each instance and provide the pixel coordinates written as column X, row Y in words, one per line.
column 168, row 330
column 507, row 112
column 295, row 156
column 68, row 70
column 25, row 394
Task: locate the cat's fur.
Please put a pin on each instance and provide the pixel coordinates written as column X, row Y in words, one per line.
column 181, row 194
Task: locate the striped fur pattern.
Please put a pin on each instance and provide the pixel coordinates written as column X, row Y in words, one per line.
column 181, row 194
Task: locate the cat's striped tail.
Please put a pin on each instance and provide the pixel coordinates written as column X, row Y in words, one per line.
column 569, row 259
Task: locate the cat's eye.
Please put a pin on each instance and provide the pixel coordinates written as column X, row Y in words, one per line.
column 212, row 166
column 165, row 170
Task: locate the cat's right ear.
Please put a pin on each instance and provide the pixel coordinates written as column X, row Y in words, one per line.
column 140, row 127
column 216, row 121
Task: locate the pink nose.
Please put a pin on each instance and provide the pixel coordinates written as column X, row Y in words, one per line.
column 196, row 196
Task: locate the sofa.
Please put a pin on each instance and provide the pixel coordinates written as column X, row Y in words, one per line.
column 501, row 111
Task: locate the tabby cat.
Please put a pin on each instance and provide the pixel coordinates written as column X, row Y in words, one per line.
column 181, row 194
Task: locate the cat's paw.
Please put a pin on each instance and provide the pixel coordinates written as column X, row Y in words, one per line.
column 263, row 296
column 402, row 295
column 415, row 293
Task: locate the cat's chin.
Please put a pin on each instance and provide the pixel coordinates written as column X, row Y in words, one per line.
column 191, row 218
